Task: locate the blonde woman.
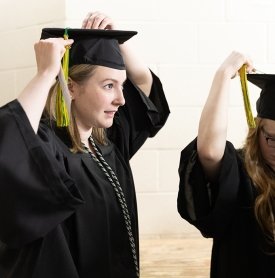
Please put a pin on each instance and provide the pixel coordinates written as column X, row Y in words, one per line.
column 67, row 196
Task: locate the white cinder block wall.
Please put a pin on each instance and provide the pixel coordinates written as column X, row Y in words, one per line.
column 183, row 42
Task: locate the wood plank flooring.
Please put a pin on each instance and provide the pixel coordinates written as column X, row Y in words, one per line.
column 175, row 257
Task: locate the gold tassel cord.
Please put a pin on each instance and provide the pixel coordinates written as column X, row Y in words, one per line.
column 62, row 113
column 248, row 111
column 65, row 64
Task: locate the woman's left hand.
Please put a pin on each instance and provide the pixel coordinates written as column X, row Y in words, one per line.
column 98, row 20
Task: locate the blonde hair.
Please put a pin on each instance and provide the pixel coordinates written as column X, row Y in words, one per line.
column 263, row 179
column 79, row 74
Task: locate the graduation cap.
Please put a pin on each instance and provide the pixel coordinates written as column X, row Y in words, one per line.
column 91, row 46
column 265, row 104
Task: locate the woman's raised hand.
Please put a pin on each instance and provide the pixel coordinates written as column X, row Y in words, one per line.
column 234, row 62
column 98, row 20
column 49, row 53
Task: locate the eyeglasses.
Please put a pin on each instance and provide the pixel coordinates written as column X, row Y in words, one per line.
column 270, row 141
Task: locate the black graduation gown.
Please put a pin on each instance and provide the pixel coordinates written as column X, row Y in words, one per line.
column 59, row 216
column 224, row 211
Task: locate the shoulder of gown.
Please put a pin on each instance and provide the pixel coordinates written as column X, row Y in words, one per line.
column 36, row 193
column 210, row 207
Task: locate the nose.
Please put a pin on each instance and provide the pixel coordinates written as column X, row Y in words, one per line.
column 119, row 99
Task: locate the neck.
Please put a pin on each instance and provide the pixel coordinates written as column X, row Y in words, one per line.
column 84, row 132
column 84, row 136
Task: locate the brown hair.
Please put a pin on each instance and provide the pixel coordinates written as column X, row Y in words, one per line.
column 79, row 74
column 263, row 179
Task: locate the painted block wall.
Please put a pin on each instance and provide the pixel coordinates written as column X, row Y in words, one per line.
column 183, row 42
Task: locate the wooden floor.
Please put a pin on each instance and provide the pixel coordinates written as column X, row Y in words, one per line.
column 175, row 257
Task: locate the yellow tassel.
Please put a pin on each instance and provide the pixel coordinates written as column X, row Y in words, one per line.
column 248, row 111
column 62, row 115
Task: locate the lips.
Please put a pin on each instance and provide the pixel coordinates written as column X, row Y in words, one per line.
column 110, row 113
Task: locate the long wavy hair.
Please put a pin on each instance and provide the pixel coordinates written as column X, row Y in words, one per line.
column 263, row 178
column 79, row 74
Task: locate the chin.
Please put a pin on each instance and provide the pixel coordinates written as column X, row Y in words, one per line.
column 107, row 125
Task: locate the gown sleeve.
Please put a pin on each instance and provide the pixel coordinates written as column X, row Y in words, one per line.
column 141, row 117
column 36, row 194
column 209, row 207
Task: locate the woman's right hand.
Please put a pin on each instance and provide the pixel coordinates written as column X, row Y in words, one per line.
column 234, row 62
column 98, row 20
column 49, row 53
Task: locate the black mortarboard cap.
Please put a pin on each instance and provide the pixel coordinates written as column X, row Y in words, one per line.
column 265, row 104
column 93, row 46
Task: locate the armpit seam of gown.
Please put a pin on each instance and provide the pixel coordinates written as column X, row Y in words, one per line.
column 153, row 112
column 188, row 190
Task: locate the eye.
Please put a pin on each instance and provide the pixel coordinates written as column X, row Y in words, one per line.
column 269, row 137
column 109, row 86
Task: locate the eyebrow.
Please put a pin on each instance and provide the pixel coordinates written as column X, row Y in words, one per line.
column 114, row 80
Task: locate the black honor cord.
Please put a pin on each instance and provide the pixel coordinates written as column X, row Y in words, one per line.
column 112, row 178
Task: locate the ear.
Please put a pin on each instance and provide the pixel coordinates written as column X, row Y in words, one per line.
column 71, row 87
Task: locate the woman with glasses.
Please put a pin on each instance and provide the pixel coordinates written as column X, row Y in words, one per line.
column 229, row 194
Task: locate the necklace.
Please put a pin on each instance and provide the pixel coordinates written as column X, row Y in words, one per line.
column 112, row 178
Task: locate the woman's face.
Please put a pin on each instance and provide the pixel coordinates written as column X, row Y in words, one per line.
column 267, row 141
column 97, row 100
